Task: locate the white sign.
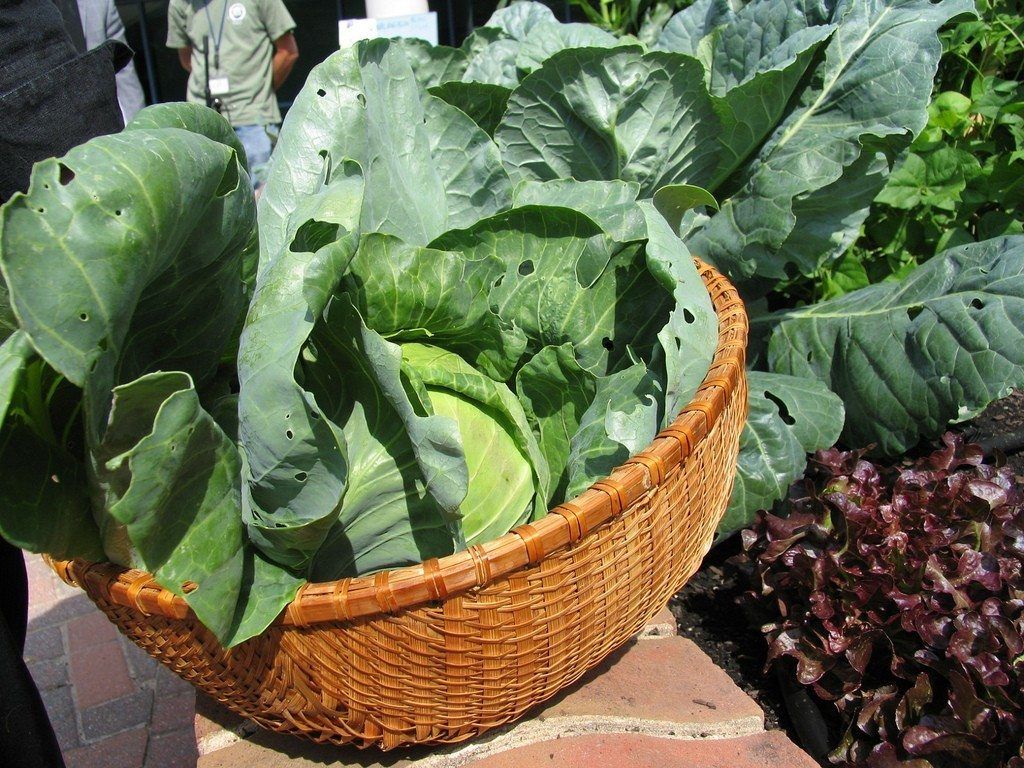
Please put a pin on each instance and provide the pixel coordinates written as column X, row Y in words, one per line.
column 421, row 25
column 379, row 9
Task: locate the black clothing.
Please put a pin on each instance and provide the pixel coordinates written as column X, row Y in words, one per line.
column 52, row 98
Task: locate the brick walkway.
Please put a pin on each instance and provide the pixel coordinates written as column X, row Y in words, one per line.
column 660, row 701
column 111, row 705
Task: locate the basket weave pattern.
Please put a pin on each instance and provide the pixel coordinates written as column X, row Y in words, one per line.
column 443, row 651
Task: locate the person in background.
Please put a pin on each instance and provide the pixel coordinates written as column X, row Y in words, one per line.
column 237, row 53
column 102, row 22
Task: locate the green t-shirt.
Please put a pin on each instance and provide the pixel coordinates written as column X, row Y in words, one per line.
column 240, row 35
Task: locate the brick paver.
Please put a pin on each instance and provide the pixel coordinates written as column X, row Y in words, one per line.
column 627, row 750
column 111, row 705
column 124, row 750
column 100, row 673
column 662, row 686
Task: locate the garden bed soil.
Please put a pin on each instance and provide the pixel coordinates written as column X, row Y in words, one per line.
column 712, row 612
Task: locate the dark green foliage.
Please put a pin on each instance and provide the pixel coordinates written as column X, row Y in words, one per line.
column 962, row 179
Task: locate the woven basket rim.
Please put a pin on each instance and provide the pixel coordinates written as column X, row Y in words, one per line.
column 433, row 581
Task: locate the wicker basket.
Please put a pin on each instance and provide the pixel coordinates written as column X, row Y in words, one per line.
column 443, row 651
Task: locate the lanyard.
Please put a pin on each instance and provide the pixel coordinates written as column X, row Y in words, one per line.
column 219, row 37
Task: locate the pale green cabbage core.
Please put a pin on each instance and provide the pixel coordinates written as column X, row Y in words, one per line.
column 501, row 481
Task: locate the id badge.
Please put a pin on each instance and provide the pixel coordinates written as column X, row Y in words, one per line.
column 219, row 86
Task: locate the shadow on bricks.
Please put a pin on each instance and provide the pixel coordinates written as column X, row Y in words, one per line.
column 110, row 706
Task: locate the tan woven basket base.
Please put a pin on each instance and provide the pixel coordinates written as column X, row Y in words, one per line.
column 449, row 670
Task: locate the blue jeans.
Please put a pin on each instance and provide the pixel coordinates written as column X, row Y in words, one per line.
column 258, row 141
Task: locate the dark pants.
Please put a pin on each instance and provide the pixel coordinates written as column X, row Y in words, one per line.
column 26, row 738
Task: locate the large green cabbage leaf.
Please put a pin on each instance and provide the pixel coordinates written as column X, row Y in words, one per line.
column 427, row 167
column 908, row 358
column 411, row 293
column 508, row 473
column 42, row 486
column 389, row 516
column 124, row 269
column 789, row 417
column 874, row 81
column 617, row 113
column 295, row 459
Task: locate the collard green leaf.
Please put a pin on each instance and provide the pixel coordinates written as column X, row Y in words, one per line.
column 490, row 57
column 483, row 102
column 753, row 59
column 908, row 358
column 555, row 392
column 125, row 257
column 654, row 21
column 876, row 41
column 540, row 292
column 829, row 219
column 788, row 418
column 8, row 322
column 749, row 100
column 612, row 113
column 407, row 293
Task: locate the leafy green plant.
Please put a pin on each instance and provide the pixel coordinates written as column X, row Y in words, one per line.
column 792, row 115
column 642, row 18
column 962, row 179
column 431, row 355
column 431, row 306
column 123, row 266
column 896, row 590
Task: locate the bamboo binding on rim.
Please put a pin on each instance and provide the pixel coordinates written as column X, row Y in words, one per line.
column 443, row 651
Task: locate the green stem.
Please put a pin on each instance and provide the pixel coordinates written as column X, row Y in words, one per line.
column 72, row 420
column 36, row 405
